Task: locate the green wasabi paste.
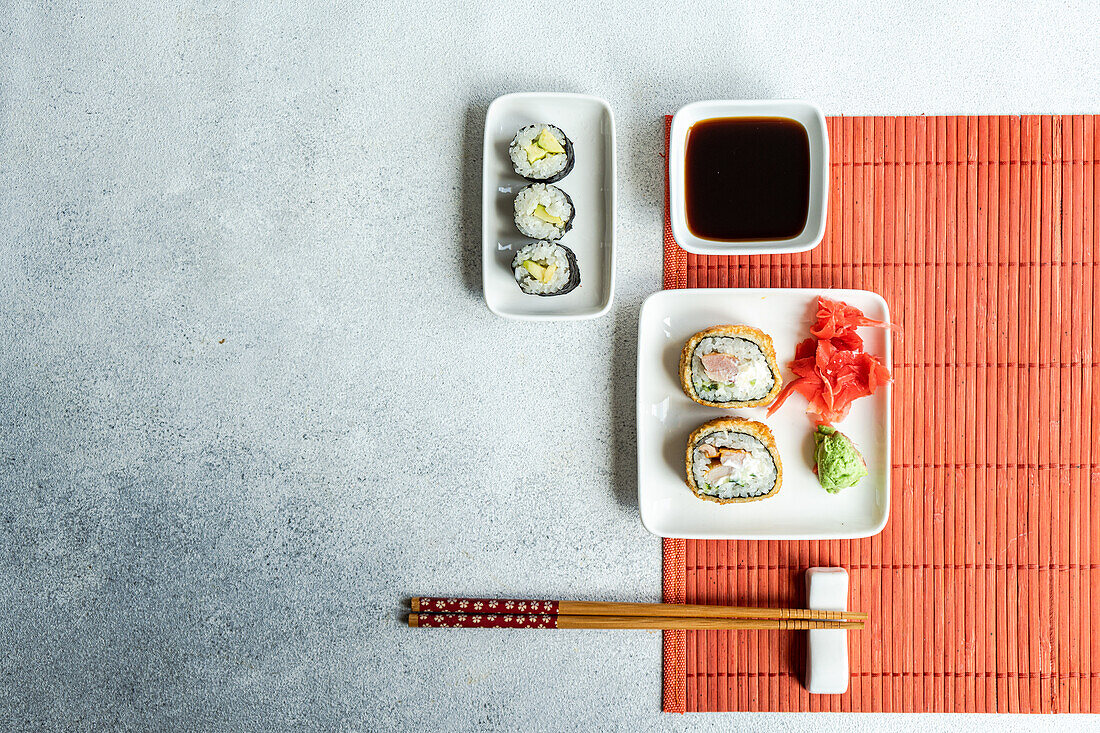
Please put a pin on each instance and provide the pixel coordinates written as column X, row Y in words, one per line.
column 839, row 464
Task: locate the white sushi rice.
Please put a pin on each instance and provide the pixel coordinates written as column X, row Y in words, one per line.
column 553, row 199
column 755, row 477
column 544, row 167
column 545, row 254
column 754, row 377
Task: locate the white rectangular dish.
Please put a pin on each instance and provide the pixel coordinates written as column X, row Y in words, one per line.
column 589, row 123
column 666, row 416
column 808, row 115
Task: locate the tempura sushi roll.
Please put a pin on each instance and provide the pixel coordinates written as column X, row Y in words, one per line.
column 543, row 212
column 733, row 460
column 546, row 268
column 541, row 153
column 730, row 366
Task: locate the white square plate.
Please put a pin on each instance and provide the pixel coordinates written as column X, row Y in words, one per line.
column 808, row 115
column 591, row 184
column 666, row 416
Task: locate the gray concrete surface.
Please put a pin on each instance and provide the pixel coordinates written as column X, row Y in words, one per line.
column 251, row 398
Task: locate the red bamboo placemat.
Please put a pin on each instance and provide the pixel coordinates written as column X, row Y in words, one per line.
column 981, row 233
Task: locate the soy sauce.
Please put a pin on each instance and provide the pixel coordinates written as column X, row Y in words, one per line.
column 747, row 178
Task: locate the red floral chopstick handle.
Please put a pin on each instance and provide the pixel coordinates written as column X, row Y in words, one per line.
column 485, row 621
column 483, row 605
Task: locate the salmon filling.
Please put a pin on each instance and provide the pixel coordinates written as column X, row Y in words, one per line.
column 730, row 369
column 728, row 464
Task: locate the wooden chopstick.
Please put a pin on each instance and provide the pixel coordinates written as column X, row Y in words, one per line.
column 547, row 621
column 592, row 608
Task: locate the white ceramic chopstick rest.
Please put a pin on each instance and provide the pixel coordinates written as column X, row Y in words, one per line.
column 827, row 650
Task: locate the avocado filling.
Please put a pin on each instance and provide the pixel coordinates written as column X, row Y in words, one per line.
column 540, row 212
column 534, row 152
column 548, row 142
column 542, row 273
column 545, row 144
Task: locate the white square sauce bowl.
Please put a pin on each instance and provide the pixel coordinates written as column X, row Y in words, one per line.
column 809, row 116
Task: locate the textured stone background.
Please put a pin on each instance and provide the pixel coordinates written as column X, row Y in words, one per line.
column 251, row 398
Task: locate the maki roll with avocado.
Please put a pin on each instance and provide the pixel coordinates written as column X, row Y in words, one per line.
column 546, row 268
column 543, row 211
column 733, row 460
column 541, row 153
column 730, row 366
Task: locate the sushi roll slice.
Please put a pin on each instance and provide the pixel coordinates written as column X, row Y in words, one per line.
column 543, row 211
column 541, row 153
column 733, row 460
column 546, row 268
column 730, row 366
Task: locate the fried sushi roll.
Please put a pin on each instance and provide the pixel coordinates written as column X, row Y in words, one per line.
column 733, row 460
column 730, row 366
column 543, row 212
column 541, row 153
column 546, row 268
